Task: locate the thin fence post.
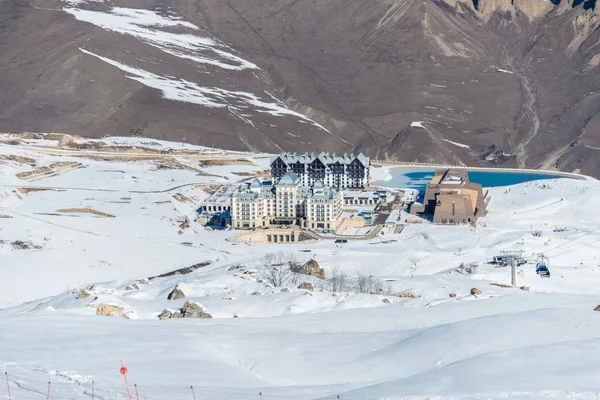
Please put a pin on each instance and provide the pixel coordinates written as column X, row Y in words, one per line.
column 260, row 394
column 193, row 393
column 7, row 385
column 48, row 397
column 93, row 390
column 136, row 392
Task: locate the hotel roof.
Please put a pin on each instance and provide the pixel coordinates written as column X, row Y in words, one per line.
column 326, row 158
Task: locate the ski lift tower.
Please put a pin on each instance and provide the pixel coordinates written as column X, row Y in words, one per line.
column 508, row 256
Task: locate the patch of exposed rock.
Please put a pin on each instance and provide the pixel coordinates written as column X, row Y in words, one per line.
column 176, row 294
column 306, row 286
column 109, row 310
column 475, row 291
column 311, row 268
column 189, row 310
column 81, row 293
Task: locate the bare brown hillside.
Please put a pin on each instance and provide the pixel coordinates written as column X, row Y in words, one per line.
column 488, row 82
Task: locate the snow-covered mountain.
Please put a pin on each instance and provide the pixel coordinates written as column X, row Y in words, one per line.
column 99, row 226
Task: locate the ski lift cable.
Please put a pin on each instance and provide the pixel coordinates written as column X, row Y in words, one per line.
column 576, row 248
column 571, row 241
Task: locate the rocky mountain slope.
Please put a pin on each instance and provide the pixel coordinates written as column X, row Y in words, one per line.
column 476, row 82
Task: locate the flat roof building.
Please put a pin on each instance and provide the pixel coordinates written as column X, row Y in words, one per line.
column 451, row 199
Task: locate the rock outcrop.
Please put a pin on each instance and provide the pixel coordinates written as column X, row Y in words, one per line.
column 311, row 268
column 109, row 310
column 189, row 310
column 306, row 286
column 176, row 294
column 166, row 314
column 81, row 293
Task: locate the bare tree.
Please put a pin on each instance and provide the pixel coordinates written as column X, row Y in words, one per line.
column 338, row 281
column 368, row 284
column 277, row 269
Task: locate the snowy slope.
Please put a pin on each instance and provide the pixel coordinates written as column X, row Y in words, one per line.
column 290, row 344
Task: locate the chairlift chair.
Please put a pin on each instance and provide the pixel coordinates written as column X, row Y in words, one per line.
column 542, row 266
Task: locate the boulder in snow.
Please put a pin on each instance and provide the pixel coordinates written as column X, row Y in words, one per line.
column 475, row 291
column 257, row 293
column 597, row 308
column 109, row 310
column 311, row 268
column 176, row 294
column 306, row 286
column 194, row 310
column 81, row 293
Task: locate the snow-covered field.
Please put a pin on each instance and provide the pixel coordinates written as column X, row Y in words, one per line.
column 412, row 341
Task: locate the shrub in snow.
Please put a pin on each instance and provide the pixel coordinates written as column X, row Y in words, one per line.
column 257, row 293
column 475, row 291
column 278, row 269
column 408, row 294
column 285, row 290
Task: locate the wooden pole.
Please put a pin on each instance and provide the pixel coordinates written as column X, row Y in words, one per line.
column 48, row 397
column 7, row 385
column 136, row 392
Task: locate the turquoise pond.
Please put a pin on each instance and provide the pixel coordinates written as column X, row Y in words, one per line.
column 420, row 179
